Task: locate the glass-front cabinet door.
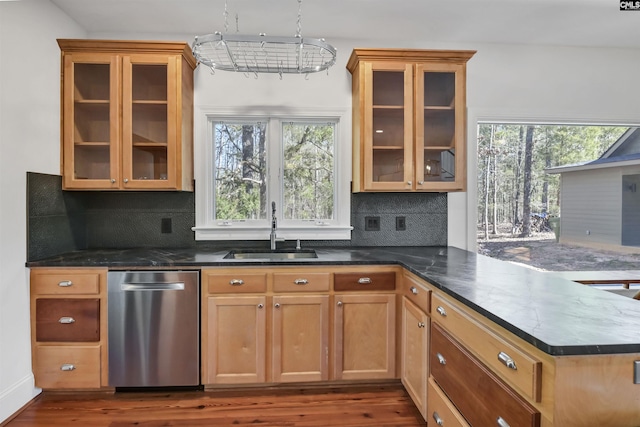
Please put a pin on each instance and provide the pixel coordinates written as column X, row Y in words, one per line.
column 148, row 131
column 90, row 126
column 388, row 126
column 440, row 127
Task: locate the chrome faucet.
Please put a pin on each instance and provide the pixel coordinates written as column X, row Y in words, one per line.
column 274, row 226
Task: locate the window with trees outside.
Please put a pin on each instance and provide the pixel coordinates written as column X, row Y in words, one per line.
column 297, row 162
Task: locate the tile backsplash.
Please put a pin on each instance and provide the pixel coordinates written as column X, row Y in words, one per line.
column 62, row 221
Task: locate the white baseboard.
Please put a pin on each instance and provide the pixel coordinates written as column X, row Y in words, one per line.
column 16, row 396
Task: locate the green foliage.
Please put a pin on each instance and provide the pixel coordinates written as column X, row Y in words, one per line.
column 553, row 146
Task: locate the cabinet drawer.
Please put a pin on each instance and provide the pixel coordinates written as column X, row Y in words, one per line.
column 65, row 283
column 380, row 281
column 441, row 410
column 67, row 366
column 300, row 282
column 480, row 396
column 519, row 369
column 71, row 320
column 240, row 283
column 417, row 294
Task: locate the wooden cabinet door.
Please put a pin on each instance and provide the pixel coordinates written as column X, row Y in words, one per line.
column 90, row 120
column 387, row 126
column 415, row 353
column 235, row 340
column 440, row 126
column 300, row 338
column 149, row 121
column 364, row 336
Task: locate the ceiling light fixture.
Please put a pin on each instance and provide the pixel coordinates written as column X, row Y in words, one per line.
column 263, row 54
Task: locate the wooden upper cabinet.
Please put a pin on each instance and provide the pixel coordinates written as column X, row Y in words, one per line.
column 409, row 119
column 127, row 115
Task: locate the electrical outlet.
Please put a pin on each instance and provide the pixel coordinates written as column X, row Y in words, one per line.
column 372, row 223
column 401, row 223
column 165, row 226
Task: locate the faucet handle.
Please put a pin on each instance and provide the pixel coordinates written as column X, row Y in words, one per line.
column 273, row 208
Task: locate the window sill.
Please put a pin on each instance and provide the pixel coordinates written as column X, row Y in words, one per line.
column 324, row 232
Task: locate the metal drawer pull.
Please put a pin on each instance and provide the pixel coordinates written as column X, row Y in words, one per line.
column 236, row 282
column 413, row 290
column 277, row 305
column 339, row 303
column 441, row 311
column 441, row 359
column 65, row 283
column 502, row 423
column 437, row 418
column 420, row 324
column 365, row 280
column 66, row 320
column 301, row 281
column 507, row 360
column 67, row 367
column 260, row 306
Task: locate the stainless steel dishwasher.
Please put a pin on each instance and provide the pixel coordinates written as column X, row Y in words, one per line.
column 154, row 328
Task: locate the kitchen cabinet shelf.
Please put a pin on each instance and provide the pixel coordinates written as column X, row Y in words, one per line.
column 133, row 100
column 413, row 100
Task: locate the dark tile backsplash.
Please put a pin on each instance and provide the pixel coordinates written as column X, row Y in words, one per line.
column 62, row 221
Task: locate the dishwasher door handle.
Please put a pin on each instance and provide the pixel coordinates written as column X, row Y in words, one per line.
column 177, row 286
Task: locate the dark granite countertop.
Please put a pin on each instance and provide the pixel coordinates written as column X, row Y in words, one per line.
column 554, row 314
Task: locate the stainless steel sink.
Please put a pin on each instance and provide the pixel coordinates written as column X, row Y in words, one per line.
column 280, row 254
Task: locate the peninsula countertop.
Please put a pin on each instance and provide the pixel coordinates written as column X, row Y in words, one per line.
column 556, row 315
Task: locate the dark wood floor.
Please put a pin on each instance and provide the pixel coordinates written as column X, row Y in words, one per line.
column 379, row 405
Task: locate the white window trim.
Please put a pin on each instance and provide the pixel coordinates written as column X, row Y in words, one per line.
column 208, row 229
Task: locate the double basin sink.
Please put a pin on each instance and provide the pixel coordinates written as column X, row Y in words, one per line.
column 271, row 255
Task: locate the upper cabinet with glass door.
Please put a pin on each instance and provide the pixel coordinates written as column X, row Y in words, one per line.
column 127, row 119
column 409, row 119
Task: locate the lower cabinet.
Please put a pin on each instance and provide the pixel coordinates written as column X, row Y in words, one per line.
column 235, row 345
column 69, row 328
column 441, row 411
column 364, row 337
column 415, row 354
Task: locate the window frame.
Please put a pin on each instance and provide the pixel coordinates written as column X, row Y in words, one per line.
column 208, row 228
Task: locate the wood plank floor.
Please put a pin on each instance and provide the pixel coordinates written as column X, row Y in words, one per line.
column 380, row 405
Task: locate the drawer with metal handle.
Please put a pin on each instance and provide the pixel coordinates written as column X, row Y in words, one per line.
column 304, row 281
column 74, row 366
column 441, row 411
column 519, row 369
column 375, row 281
column 416, row 293
column 481, row 397
column 67, row 320
column 65, row 282
column 235, row 283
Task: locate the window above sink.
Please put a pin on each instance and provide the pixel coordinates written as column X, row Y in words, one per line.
column 245, row 159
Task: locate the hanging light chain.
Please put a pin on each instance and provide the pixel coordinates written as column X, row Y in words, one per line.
column 299, row 31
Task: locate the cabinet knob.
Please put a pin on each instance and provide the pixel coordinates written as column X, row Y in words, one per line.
column 65, row 283
column 126, row 180
column 236, row 282
column 276, row 305
column 260, row 306
column 507, row 361
column 409, row 182
column 66, row 320
column 113, row 180
column 420, row 324
column 68, row 367
column 301, row 281
column 441, row 311
column 420, row 182
column 441, row 359
column 414, row 290
column 339, row 303
column 437, row 419
column 502, row 423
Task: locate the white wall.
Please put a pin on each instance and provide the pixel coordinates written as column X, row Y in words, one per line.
column 29, row 141
column 505, row 82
